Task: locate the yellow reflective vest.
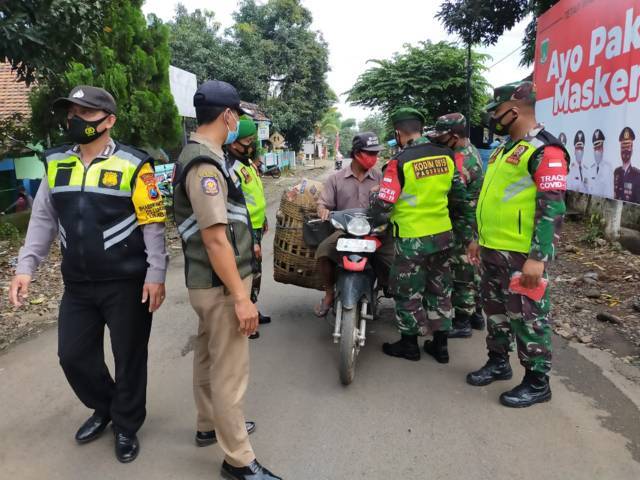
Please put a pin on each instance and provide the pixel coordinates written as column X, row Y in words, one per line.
column 253, row 191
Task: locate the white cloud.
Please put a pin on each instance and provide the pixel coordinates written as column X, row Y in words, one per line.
column 359, row 30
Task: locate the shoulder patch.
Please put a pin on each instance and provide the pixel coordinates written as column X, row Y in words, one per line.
column 210, row 186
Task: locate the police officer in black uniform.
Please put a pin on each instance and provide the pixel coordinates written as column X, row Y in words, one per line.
column 626, row 178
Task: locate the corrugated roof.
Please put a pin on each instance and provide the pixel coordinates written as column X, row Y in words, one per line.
column 14, row 95
column 255, row 111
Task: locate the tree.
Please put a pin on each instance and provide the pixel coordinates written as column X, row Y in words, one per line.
column 537, row 7
column 290, row 59
column 198, row 46
column 429, row 76
column 479, row 22
column 39, row 37
column 377, row 124
column 130, row 59
column 347, row 132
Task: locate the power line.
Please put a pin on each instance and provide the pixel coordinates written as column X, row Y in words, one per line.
column 504, row 58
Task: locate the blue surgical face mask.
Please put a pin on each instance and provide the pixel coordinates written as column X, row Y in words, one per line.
column 232, row 136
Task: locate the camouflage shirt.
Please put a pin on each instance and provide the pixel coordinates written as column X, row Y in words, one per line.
column 462, row 215
column 469, row 165
column 550, row 206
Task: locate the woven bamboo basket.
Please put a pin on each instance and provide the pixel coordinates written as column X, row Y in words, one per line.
column 294, row 262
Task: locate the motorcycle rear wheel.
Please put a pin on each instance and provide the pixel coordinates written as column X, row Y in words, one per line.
column 349, row 346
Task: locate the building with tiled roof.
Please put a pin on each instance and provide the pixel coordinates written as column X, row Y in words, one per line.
column 14, row 95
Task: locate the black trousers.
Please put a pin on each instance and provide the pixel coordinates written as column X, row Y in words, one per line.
column 85, row 310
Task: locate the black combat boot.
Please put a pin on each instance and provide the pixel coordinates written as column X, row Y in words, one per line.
column 496, row 368
column 477, row 319
column 534, row 389
column 437, row 347
column 406, row 347
column 461, row 326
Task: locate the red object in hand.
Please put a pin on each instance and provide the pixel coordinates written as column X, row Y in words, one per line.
column 390, row 188
column 536, row 294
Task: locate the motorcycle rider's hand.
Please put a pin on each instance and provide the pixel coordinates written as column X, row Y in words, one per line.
column 257, row 250
column 323, row 213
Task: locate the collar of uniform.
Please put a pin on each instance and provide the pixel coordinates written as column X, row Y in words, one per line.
column 196, row 137
column 348, row 172
column 534, row 132
column 106, row 153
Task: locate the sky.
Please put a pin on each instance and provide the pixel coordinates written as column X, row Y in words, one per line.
column 360, row 30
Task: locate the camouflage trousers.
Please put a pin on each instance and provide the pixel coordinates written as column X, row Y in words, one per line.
column 466, row 283
column 421, row 283
column 257, row 276
column 510, row 316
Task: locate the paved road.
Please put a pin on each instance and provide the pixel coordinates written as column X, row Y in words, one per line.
column 398, row 420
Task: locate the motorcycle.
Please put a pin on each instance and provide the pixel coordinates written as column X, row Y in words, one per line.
column 356, row 286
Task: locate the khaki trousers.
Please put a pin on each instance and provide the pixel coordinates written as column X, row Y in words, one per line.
column 221, row 372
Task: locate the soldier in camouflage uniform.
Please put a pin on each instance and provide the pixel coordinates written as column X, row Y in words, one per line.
column 520, row 214
column 423, row 192
column 451, row 131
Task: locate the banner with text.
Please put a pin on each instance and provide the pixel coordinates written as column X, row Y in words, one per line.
column 587, row 75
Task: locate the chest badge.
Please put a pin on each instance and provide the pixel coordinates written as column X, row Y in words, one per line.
column 110, row 179
column 246, row 175
column 514, row 158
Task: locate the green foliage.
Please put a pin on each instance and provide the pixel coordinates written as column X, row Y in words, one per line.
column 14, row 134
column 293, row 59
column 377, row 124
column 130, row 59
column 347, row 131
column 537, row 8
column 39, row 37
column 481, row 21
column 428, row 76
column 594, row 231
column 8, row 231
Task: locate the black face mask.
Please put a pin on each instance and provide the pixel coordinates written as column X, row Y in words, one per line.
column 83, row 131
column 496, row 126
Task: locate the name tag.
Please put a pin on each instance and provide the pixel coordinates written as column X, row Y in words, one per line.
column 430, row 167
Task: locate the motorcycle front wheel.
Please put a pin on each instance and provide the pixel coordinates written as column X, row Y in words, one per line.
column 349, row 346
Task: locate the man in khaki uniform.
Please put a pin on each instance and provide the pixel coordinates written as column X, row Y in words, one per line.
column 217, row 241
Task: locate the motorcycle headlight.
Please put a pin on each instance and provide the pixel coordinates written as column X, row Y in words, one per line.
column 337, row 225
column 358, row 226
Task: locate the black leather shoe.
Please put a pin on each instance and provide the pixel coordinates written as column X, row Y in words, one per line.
column 477, row 320
column 127, row 447
column 407, row 347
column 262, row 319
column 92, row 428
column 533, row 389
column 461, row 326
column 204, row 439
column 496, row 368
column 438, row 347
column 253, row 336
column 254, row 471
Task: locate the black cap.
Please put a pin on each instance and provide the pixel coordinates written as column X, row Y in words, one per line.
column 578, row 140
column 598, row 138
column 215, row 93
column 627, row 135
column 90, row 97
column 367, row 141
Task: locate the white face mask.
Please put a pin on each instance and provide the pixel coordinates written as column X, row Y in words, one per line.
column 579, row 154
column 597, row 154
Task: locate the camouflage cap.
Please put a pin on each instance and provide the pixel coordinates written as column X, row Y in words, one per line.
column 512, row 91
column 578, row 140
column 406, row 113
column 627, row 135
column 598, row 138
column 454, row 123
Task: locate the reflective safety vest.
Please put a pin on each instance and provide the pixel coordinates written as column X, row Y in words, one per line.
column 426, row 173
column 198, row 270
column 98, row 226
column 253, row 191
column 507, row 204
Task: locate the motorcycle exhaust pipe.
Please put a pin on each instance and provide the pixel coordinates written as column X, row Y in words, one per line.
column 338, row 326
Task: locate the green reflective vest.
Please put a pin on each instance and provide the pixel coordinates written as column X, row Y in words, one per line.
column 507, row 204
column 426, row 173
column 198, row 270
column 253, row 191
column 97, row 223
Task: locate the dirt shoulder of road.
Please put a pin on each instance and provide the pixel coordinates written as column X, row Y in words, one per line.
column 41, row 309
